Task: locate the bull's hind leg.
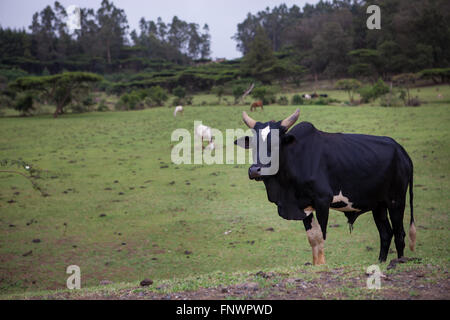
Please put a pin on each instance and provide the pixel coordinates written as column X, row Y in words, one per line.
column 385, row 230
column 396, row 214
column 315, row 238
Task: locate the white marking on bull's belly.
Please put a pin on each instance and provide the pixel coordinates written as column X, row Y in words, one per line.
column 341, row 198
column 308, row 210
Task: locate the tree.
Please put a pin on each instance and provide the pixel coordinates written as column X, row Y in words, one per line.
column 219, row 92
column 238, row 91
column 265, row 94
column 406, row 80
column 260, row 60
column 179, row 92
column 441, row 75
column 112, row 28
column 349, row 85
column 372, row 92
column 57, row 89
column 205, row 44
column 365, row 63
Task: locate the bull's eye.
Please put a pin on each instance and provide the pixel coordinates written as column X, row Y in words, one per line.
column 265, row 132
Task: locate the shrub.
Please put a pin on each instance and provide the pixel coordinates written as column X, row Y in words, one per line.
column 264, row 93
column 24, row 104
column 158, row 95
column 297, row 100
column 102, row 106
column 414, row 102
column 370, row 93
column 88, row 100
column 321, row 101
column 130, row 101
column 393, row 98
column 238, row 91
column 283, row 101
column 219, row 91
column 187, row 101
column 179, row 92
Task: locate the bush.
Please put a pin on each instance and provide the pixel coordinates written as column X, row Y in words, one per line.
column 102, row 106
column 414, row 102
column 297, row 100
column 24, row 104
column 321, row 101
column 79, row 108
column 130, row 101
column 264, row 93
column 370, row 93
column 6, row 101
column 283, row 101
column 158, row 95
column 88, row 100
column 187, row 101
column 179, row 92
column 238, row 91
column 393, row 98
column 219, row 91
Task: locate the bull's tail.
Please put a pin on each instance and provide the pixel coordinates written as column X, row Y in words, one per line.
column 412, row 227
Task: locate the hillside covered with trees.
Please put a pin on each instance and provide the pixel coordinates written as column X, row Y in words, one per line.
column 279, row 45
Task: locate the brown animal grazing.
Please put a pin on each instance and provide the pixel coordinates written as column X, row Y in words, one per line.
column 256, row 104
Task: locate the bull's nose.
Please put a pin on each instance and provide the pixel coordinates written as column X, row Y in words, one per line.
column 254, row 172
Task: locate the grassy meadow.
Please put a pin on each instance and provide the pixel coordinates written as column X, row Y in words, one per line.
column 119, row 209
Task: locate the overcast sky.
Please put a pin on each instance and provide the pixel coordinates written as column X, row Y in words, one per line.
column 222, row 16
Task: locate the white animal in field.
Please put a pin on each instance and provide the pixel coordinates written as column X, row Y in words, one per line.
column 307, row 97
column 210, row 146
column 205, row 133
column 178, row 109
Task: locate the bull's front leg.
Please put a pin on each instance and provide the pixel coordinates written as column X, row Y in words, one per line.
column 315, row 237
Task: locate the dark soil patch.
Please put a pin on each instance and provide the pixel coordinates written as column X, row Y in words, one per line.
column 422, row 283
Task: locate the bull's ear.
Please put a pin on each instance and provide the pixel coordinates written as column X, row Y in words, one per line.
column 243, row 142
column 288, row 139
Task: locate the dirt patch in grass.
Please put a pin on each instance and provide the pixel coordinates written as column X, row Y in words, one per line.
column 421, row 283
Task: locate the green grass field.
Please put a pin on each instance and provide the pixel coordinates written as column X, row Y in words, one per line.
column 118, row 164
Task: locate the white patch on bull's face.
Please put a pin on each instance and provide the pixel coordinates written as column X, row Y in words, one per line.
column 341, row 198
column 265, row 132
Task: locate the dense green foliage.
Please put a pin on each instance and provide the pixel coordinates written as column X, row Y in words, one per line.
column 59, row 89
column 101, row 45
column 264, row 93
column 24, row 104
column 328, row 38
column 331, row 37
column 371, row 92
column 281, row 46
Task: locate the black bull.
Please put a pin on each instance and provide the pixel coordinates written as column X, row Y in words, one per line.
column 351, row 173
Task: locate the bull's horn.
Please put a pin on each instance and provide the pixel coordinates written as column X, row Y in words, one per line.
column 289, row 121
column 248, row 121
